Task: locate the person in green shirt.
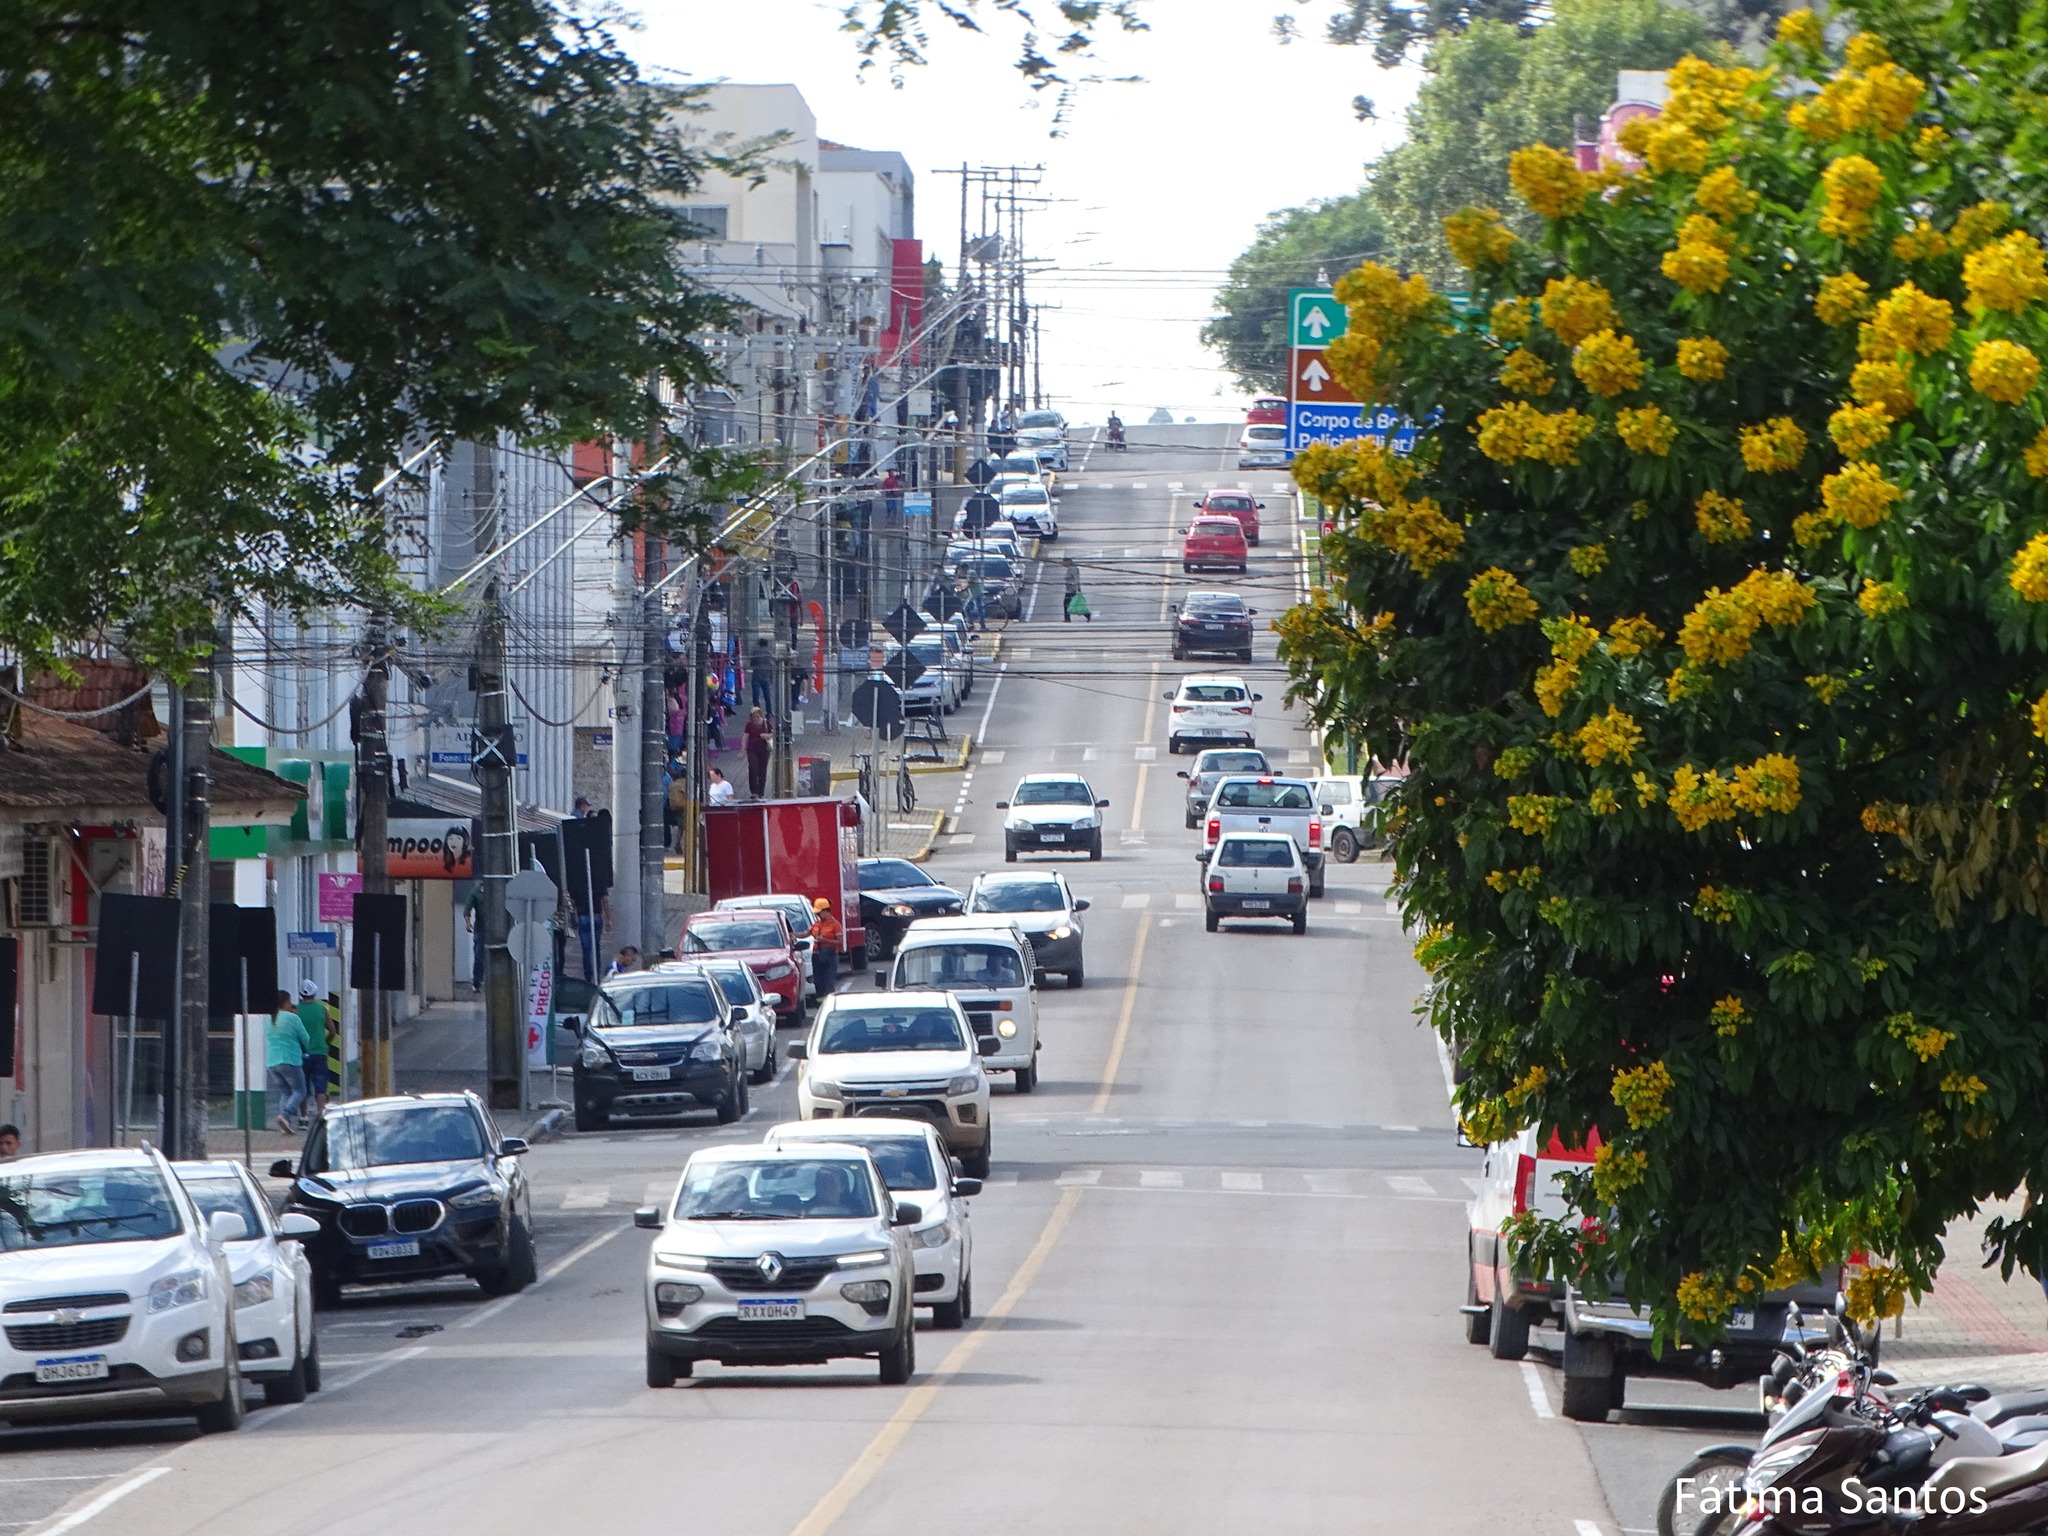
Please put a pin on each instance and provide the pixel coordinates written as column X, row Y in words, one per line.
column 285, row 1047
column 314, row 1017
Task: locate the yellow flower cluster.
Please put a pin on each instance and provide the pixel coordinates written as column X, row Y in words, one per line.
column 1571, row 640
column 1503, row 880
column 2004, row 371
column 1773, row 446
column 1722, row 194
column 1722, row 624
column 1417, row 529
column 1648, row 790
column 2006, row 275
column 1608, row 363
column 1698, row 799
column 1969, row 1087
column 1434, row 949
column 1574, row 309
column 1705, row 1300
column 1924, row 1040
column 1554, row 684
column 1884, row 816
column 1615, row 1170
column 1517, row 430
column 1588, row 560
column 1919, row 242
column 1549, row 181
column 1704, row 97
column 1684, row 682
column 1699, row 263
column 1602, row 802
column 1802, row 30
column 1877, row 96
column 1614, row 734
column 1976, row 224
column 1626, row 637
column 1511, row 318
column 1526, row 374
column 1702, row 357
column 1646, row 429
column 1886, row 386
column 1728, row 1015
column 2029, row 575
column 1714, row 905
column 1770, row 785
column 1382, row 305
column 1672, row 147
column 1929, row 141
column 1859, row 494
column 1534, row 815
column 1907, row 320
column 1826, row 688
column 1516, row 762
column 1496, row 600
column 1533, row 1079
column 2039, row 716
column 1477, row 238
column 1720, row 518
column 1841, row 298
column 2035, row 458
column 1850, row 187
column 1641, row 1091
column 1882, row 599
column 1857, row 429
column 1879, row 1292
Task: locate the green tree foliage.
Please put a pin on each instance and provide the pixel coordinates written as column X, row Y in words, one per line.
column 232, row 230
column 1712, row 620
column 1394, row 30
column 1291, row 248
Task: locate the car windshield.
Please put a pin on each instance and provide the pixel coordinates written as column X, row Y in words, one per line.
column 1256, row 853
column 905, row 1162
column 991, row 567
column 71, row 1207
column 1052, row 792
column 1040, row 419
column 216, row 1192
column 1230, row 504
column 891, row 875
column 1219, row 603
column 1216, row 528
column 959, row 965
column 1021, row 894
column 399, row 1133
column 928, row 648
column 1212, row 693
column 797, row 913
column 1033, row 495
column 783, row 1190
column 1018, row 464
column 1246, row 796
column 736, row 982
column 1335, row 792
column 855, row 1031
column 1231, row 762
column 657, row 999
column 733, row 933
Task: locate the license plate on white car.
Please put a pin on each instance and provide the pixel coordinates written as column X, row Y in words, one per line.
column 72, row 1368
column 650, row 1074
column 1255, row 904
column 406, row 1248
column 771, row 1311
column 1742, row 1317
column 1052, row 837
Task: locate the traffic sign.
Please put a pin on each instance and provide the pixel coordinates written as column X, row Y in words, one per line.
column 979, row 511
column 1315, row 317
column 980, row 472
column 1314, row 381
column 904, row 624
column 1309, row 423
column 905, row 670
column 877, row 705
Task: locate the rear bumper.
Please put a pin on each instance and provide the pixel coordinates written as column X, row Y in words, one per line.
column 1230, row 904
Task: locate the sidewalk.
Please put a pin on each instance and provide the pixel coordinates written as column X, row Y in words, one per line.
column 1975, row 1326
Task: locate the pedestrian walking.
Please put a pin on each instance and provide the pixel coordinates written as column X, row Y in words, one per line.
column 758, row 736
column 1076, row 601
column 714, row 714
column 826, row 934
column 675, row 794
column 721, row 791
column 284, row 1059
column 977, row 602
column 761, row 662
column 314, row 1018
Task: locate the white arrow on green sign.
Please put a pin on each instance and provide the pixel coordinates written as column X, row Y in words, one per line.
column 1316, row 318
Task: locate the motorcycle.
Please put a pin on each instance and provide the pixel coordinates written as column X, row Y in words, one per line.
column 1116, row 437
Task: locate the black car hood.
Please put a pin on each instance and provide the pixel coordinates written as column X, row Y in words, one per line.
column 654, row 1034
column 917, row 896
column 398, row 1182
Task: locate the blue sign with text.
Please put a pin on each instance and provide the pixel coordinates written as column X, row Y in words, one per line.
column 1307, row 423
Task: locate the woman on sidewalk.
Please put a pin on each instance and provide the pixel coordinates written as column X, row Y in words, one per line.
column 285, row 1051
column 758, row 734
column 1076, row 600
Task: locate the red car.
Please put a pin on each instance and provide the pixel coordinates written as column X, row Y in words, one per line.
column 1214, row 542
column 761, row 937
column 1240, row 504
column 1266, row 410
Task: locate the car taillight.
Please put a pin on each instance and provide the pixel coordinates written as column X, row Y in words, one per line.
column 1241, row 709
column 1294, row 885
column 1216, row 883
column 1525, row 1182
column 1180, row 709
column 1315, row 832
column 1215, row 829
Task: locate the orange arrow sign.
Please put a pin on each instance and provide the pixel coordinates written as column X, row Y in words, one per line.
column 1311, row 380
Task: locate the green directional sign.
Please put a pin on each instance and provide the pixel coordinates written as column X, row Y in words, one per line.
column 1315, row 317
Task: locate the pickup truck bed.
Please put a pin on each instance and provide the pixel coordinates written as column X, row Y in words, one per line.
column 1262, row 803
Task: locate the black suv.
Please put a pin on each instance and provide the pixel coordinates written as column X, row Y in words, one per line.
column 659, row 1042
column 411, row 1187
column 1213, row 624
column 894, row 893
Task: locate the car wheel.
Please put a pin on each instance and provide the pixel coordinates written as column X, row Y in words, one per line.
column 1179, row 654
column 1301, row 922
column 857, row 957
column 976, row 1163
column 1076, row 977
column 733, row 1105
column 662, row 1369
column 1009, row 853
column 1209, row 919
column 1586, row 1399
column 288, row 1388
column 1344, row 844
column 313, row 1365
column 1193, row 822
column 1478, row 1320
column 797, row 1014
column 767, row 1072
column 899, row 1360
column 1027, row 1077
column 1186, row 569
column 1590, row 1366
column 1507, row 1333
column 1095, row 847
column 1173, row 746
column 326, row 1292
column 226, row 1412
column 518, row 1271
column 588, row 1119
column 1315, row 884
column 950, row 1314
column 1719, row 1469
column 1244, row 655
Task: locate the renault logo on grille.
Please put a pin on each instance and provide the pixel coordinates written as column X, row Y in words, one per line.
column 770, row 1265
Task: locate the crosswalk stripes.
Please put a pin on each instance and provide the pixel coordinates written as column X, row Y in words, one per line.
column 1326, row 1184
column 962, row 839
column 1161, row 1178
column 1021, row 653
column 1341, row 908
column 1079, row 1178
column 1233, row 1179
column 1090, row 754
column 1408, row 1184
column 657, row 1192
column 587, row 1197
column 1144, row 754
column 1186, row 901
column 1007, row 1180
column 993, row 757
column 1137, row 901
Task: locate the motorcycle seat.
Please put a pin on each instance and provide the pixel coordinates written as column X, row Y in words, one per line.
column 2011, row 1405
column 1993, row 1475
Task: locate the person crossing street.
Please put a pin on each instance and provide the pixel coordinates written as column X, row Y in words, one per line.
column 1076, row 601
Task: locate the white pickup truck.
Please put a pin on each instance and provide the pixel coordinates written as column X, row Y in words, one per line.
column 1262, row 803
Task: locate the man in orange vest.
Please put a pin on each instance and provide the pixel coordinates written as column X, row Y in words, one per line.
column 826, row 935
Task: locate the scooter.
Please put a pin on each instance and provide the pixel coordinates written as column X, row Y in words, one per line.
column 1116, row 438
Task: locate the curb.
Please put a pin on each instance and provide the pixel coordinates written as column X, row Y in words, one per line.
column 548, row 1126
column 939, row 820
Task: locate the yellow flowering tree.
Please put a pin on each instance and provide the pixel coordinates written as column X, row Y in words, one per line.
column 1694, row 822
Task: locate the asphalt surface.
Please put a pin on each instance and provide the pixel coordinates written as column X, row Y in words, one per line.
column 1219, row 1260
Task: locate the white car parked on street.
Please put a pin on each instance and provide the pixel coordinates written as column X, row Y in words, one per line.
column 904, row 1054
column 753, row 1013
column 273, row 1280
column 768, row 1257
column 118, row 1296
column 917, row 1167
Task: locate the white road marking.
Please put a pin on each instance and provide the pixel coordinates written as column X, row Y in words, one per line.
column 1175, row 485
column 1001, row 1180
column 1021, row 653
column 1538, row 1398
column 1137, row 901
column 1347, row 908
column 1090, row 754
column 1079, row 1178
column 1186, row 901
column 1585, row 1528
column 587, row 1197
column 1144, row 754
column 1131, row 837
column 1234, row 1180
column 1160, row 1178
column 1327, row 1183
column 658, row 1190
column 960, row 839
column 1477, row 1186
column 1409, row 1184
column 981, row 731
column 104, row 1502
column 994, row 757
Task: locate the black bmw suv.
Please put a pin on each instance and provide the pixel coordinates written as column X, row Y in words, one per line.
column 411, row 1187
column 1213, row 624
column 659, row 1042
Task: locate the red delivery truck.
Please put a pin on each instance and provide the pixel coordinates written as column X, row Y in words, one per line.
column 801, row 848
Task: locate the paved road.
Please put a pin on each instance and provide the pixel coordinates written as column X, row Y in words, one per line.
column 1220, row 1255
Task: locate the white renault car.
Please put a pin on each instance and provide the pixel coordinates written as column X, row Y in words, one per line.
column 780, row 1257
column 909, row 1054
column 273, row 1280
column 917, row 1168
column 117, row 1295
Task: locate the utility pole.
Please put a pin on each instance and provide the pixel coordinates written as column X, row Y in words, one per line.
column 628, row 733
column 496, row 753
column 373, row 829
column 782, row 615
column 184, row 1046
column 700, row 740
column 653, row 938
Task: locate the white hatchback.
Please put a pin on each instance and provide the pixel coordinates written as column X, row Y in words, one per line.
column 273, row 1280
column 1211, row 706
column 909, row 1055
column 1033, row 507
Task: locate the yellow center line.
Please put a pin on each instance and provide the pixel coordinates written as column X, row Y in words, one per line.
column 1123, row 1018
column 826, row 1512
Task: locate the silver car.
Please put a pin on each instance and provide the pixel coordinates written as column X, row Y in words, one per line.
column 1215, row 764
column 753, row 1013
column 1040, row 902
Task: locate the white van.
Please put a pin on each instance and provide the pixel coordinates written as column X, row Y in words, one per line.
column 988, row 964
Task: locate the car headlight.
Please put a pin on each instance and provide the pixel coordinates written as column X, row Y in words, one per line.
column 1007, row 1029
column 594, row 1055
column 933, row 1236
column 1064, row 931
column 966, row 1082
column 865, row 1290
column 673, row 1295
column 866, row 1258
column 179, row 1290
column 778, row 972
column 681, row 1260
column 256, row 1290
column 824, row 1090
column 708, row 1050
column 899, row 910
column 474, row 1198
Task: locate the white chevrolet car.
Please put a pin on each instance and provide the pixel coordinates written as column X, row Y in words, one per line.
column 117, row 1295
column 1052, row 813
column 916, row 1166
column 780, row 1257
column 911, row 1054
column 273, row 1280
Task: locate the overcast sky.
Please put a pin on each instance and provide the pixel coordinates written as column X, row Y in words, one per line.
column 1160, row 183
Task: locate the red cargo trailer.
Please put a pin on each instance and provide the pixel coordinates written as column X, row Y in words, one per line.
column 804, row 848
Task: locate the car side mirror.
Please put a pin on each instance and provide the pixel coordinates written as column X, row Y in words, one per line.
column 882, row 980
column 513, row 1146
column 571, row 1022
column 904, row 1214
column 1167, row 696
column 1256, row 697
column 1102, row 805
column 1181, row 774
column 1038, row 976
column 796, row 1050
column 1002, row 805
column 282, row 1169
column 1081, row 905
column 649, row 1217
column 1251, row 613
column 296, row 1224
column 988, row 1045
column 1261, row 506
column 964, row 1188
column 225, row 1227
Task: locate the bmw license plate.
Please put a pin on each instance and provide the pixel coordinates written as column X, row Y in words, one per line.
column 406, row 1248
column 771, row 1311
column 1742, row 1317
column 650, row 1074
column 71, row 1368
column 1255, row 904
column 1052, row 837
